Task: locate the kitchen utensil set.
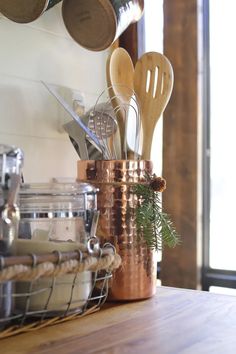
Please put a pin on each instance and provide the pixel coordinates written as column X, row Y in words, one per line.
column 128, row 109
column 130, row 112
column 151, row 81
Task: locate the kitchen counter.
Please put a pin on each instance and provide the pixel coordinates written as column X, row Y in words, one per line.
column 174, row 321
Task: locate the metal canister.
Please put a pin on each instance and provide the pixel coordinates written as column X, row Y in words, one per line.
column 95, row 25
column 117, row 203
column 11, row 162
column 54, row 217
column 24, row 11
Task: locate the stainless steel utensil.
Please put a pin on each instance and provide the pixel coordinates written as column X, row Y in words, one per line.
column 76, row 118
column 92, row 153
column 81, row 142
column 131, row 113
column 103, row 126
column 78, row 139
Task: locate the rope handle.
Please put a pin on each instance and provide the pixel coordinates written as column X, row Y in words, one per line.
column 32, row 267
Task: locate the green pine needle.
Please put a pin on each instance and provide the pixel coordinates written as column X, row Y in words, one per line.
column 153, row 225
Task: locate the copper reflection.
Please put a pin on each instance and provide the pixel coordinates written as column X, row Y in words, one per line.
column 136, row 278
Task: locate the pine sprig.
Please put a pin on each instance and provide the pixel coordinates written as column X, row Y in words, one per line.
column 153, row 224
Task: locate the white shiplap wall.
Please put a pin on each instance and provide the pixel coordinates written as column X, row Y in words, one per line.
column 29, row 117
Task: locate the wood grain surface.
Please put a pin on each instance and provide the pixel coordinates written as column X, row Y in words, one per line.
column 181, row 265
column 174, row 321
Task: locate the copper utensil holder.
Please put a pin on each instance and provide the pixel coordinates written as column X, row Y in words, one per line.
column 117, row 203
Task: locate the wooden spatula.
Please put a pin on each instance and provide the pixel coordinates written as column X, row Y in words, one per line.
column 153, row 83
column 120, row 72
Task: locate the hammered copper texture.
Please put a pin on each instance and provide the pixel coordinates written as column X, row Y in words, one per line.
column 136, row 278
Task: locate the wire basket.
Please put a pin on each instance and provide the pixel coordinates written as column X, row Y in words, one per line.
column 80, row 278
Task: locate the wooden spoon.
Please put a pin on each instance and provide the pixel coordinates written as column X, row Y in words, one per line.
column 153, row 83
column 120, row 72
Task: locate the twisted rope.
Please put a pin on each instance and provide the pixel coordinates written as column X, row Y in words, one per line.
column 108, row 262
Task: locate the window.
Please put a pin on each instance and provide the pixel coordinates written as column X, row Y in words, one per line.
column 220, row 144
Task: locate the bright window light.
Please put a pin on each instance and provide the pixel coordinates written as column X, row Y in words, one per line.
column 223, row 134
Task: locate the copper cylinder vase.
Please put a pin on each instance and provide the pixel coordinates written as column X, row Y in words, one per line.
column 117, row 203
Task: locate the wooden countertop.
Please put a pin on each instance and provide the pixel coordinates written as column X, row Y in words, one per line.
column 174, row 321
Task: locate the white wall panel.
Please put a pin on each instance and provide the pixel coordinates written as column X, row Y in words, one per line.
column 38, row 55
column 44, row 158
column 51, row 21
column 29, row 116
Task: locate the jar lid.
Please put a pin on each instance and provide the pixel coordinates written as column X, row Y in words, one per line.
column 56, row 200
column 23, row 11
column 90, row 23
column 56, row 189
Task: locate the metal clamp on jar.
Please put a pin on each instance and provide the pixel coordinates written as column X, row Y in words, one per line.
column 11, row 161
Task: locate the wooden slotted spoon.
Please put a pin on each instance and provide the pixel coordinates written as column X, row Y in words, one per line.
column 153, row 83
column 120, row 72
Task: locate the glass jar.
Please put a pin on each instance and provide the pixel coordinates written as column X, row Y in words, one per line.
column 57, row 211
column 54, row 217
column 11, row 162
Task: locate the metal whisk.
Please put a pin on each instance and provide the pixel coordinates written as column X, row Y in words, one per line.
column 124, row 142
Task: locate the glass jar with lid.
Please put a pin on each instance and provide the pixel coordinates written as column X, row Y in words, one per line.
column 57, row 211
column 54, row 217
column 11, row 163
